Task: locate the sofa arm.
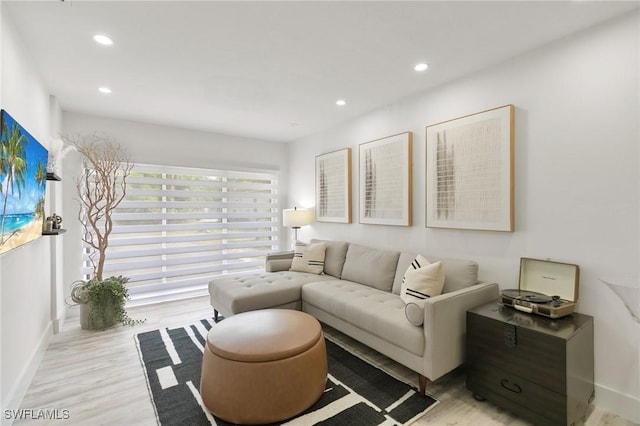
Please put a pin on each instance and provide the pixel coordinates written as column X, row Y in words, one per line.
column 445, row 325
column 280, row 261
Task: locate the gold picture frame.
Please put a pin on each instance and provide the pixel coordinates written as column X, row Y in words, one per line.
column 386, row 181
column 333, row 186
column 469, row 172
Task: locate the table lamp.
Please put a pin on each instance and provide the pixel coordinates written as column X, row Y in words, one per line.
column 295, row 218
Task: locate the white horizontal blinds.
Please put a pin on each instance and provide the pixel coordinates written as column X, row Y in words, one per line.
column 180, row 227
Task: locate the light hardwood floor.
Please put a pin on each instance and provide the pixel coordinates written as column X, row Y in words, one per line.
column 98, row 378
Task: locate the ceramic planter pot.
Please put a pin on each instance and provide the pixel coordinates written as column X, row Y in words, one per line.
column 96, row 323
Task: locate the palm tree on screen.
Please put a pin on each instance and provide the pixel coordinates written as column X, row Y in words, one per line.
column 41, row 178
column 13, row 162
column 3, row 165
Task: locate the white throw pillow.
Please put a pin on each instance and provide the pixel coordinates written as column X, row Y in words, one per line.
column 421, row 281
column 309, row 258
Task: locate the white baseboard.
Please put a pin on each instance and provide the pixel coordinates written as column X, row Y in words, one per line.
column 620, row 404
column 15, row 396
column 58, row 323
column 56, row 326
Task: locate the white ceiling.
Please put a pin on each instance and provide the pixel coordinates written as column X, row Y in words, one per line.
column 273, row 70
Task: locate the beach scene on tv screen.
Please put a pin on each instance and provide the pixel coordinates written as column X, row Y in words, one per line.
column 23, row 178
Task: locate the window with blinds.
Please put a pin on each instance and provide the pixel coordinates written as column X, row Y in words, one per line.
column 180, row 227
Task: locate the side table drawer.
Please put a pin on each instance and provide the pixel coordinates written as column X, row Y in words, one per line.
column 485, row 379
column 537, row 358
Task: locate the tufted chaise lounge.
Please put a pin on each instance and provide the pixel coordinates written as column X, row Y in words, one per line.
column 267, row 290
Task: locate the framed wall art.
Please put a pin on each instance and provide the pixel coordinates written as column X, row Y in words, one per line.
column 386, row 180
column 333, row 186
column 469, row 172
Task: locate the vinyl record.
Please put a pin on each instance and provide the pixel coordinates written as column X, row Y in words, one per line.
column 529, row 296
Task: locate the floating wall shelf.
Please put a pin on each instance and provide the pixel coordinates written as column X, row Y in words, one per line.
column 53, row 176
column 54, row 232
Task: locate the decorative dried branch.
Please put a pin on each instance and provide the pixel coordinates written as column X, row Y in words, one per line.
column 101, row 186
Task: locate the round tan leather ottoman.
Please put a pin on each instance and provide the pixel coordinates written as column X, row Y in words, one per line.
column 263, row 366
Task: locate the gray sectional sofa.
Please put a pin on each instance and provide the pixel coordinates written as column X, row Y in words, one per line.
column 359, row 295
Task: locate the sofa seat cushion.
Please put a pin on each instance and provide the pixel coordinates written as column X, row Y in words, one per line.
column 377, row 312
column 260, row 291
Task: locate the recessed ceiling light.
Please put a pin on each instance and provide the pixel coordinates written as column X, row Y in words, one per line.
column 103, row 39
column 104, row 90
column 341, row 102
column 421, row 67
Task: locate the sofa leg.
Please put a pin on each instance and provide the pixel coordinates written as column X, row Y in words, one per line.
column 422, row 384
column 215, row 316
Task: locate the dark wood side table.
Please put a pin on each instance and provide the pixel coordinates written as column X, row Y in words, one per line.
column 538, row 368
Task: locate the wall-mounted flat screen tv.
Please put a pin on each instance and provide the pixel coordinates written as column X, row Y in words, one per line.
column 23, row 178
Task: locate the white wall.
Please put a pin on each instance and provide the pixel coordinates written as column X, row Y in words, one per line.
column 153, row 144
column 577, row 181
column 25, row 273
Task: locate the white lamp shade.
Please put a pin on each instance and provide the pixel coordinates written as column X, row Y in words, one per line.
column 295, row 218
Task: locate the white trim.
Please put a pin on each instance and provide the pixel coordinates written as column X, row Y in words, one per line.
column 58, row 323
column 14, row 397
column 626, row 406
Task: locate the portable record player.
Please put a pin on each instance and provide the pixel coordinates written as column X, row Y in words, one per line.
column 545, row 288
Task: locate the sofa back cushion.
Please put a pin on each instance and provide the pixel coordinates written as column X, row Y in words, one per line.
column 369, row 266
column 334, row 256
column 458, row 273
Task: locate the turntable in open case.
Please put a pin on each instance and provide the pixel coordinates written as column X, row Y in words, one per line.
column 545, row 288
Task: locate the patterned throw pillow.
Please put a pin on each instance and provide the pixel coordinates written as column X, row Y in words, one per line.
column 421, row 281
column 309, row 258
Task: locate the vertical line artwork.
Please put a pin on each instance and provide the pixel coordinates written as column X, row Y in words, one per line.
column 445, row 194
column 469, row 172
column 385, row 181
column 333, row 186
column 323, row 203
column 369, row 185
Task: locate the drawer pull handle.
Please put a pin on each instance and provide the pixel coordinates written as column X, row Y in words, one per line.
column 513, row 387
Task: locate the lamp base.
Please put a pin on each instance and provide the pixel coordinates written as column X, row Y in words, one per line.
column 295, row 237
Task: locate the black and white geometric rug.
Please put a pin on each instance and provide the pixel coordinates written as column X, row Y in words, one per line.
column 357, row 393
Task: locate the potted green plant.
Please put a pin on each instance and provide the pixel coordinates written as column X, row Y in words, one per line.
column 102, row 303
column 101, row 187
